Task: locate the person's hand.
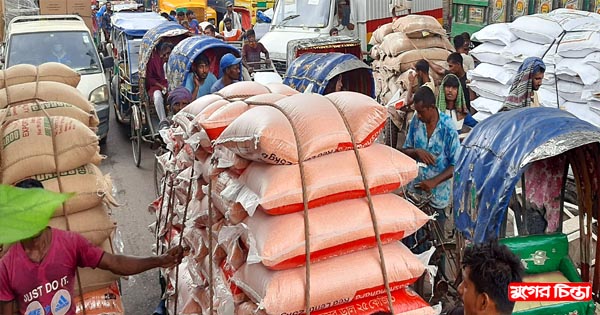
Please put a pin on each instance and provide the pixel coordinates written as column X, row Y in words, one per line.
column 425, row 157
column 426, row 185
column 412, row 78
column 196, row 81
column 172, row 258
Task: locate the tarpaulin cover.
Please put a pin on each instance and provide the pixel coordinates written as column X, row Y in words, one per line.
column 151, row 39
column 183, row 55
column 314, row 71
column 494, row 156
column 136, row 24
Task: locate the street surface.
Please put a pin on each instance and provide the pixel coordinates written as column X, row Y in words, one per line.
column 134, row 191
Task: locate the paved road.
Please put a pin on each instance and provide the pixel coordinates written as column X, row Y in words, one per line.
column 134, row 190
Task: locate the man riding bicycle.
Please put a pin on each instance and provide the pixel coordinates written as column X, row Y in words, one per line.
column 432, row 140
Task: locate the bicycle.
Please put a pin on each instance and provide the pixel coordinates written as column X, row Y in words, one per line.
column 446, row 256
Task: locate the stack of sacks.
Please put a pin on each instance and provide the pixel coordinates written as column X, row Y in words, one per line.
column 569, row 43
column 399, row 45
column 50, row 136
column 256, row 194
column 190, row 145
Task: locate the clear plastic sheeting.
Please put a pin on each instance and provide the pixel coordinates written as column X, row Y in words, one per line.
column 495, row 155
column 14, row 8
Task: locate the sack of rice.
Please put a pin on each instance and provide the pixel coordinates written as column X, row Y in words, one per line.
column 418, row 26
column 282, row 292
column 265, row 134
column 91, row 188
column 100, row 302
column 44, row 91
column 498, row 34
column 579, row 44
column 94, row 224
column 537, row 28
column 40, row 109
column 380, row 33
column 51, row 71
column 278, row 189
column 406, row 60
column 43, row 145
column 335, row 229
column 396, row 43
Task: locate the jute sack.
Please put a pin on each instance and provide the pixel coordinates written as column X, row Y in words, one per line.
column 418, row 26
column 405, row 61
column 335, row 229
column 331, row 178
column 380, row 33
column 40, row 109
column 91, row 188
column 94, row 224
column 282, row 292
column 51, row 71
column 263, row 133
column 44, row 91
column 28, row 147
column 95, row 279
column 396, row 43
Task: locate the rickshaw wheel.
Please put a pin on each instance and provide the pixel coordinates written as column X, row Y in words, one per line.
column 159, row 172
column 136, row 135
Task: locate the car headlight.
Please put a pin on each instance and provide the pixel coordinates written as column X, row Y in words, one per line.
column 99, row 95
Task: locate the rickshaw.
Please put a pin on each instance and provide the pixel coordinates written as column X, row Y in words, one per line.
column 297, row 47
column 510, row 184
column 311, row 73
column 143, row 119
column 179, row 68
column 127, row 33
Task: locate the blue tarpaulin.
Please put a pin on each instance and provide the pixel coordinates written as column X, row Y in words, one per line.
column 496, row 153
column 314, row 71
column 184, row 54
column 136, row 24
column 153, row 37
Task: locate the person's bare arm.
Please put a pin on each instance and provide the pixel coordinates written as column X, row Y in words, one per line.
column 265, row 51
column 128, row 265
column 419, row 154
column 7, row 308
column 431, row 183
column 437, row 68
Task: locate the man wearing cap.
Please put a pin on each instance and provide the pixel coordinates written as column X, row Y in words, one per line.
column 230, row 72
column 236, row 19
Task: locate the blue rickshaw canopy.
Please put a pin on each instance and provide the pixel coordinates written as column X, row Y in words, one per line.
column 136, row 24
column 184, row 54
column 151, row 39
column 313, row 71
column 496, row 154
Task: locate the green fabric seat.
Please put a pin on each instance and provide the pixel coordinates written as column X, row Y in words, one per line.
column 546, row 259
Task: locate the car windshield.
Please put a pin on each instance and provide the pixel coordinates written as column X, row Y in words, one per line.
column 74, row 49
column 302, row 13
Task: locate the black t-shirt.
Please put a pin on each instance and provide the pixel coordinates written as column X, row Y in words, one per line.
column 457, row 310
column 466, row 91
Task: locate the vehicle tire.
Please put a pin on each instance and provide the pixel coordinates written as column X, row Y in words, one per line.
column 136, row 135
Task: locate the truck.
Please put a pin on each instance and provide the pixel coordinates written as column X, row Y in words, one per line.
column 299, row 19
column 31, row 39
column 473, row 15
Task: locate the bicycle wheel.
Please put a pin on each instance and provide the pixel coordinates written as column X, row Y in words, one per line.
column 159, row 172
column 136, row 135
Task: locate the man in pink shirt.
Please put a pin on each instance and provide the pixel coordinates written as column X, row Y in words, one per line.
column 39, row 273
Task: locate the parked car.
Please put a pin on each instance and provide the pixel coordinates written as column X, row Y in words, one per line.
column 32, row 40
